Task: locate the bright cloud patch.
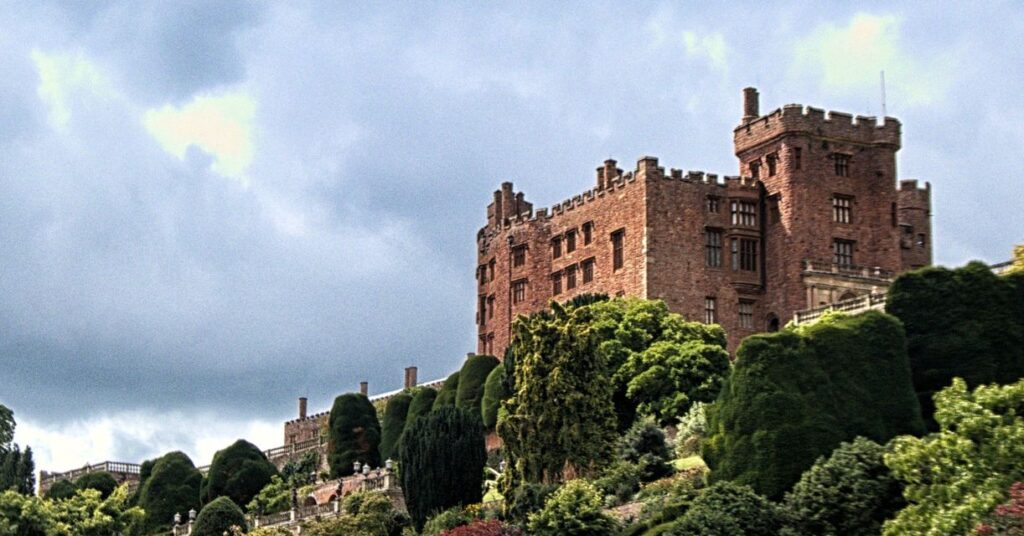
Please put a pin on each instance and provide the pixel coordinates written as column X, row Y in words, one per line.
column 62, row 76
column 851, row 57
column 220, row 125
column 710, row 47
column 138, row 436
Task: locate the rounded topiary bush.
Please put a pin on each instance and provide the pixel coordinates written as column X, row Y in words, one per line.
column 172, row 486
column 395, row 413
column 448, row 392
column 421, row 404
column 354, row 434
column 61, row 489
column 240, row 471
column 472, row 377
column 494, row 393
column 101, row 481
column 727, row 508
column 218, row 517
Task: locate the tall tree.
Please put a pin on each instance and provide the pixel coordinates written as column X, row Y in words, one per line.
column 966, row 323
column 394, row 423
column 17, row 469
column 442, row 460
column 238, row 472
column 354, row 433
column 795, row 395
column 171, row 487
column 560, row 416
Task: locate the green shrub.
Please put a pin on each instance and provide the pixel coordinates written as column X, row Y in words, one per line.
column 644, row 445
column 619, row 482
column 238, row 472
column 965, row 323
column 421, row 404
column 172, row 487
column 692, row 429
column 101, row 481
column 728, row 508
column 494, row 394
column 795, row 395
column 354, row 434
column 526, row 498
column 472, row 378
column 446, row 520
column 394, row 423
column 574, row 509
column 442, row 462
column 449, row 391
column 217, row 517
column 850, row 493
column 61, row 489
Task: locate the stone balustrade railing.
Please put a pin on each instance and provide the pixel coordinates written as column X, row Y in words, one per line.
column 120, row 468
column 849, row 270
column 851, row 306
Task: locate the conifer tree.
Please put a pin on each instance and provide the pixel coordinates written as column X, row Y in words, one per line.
column 354, row 432
column 394, row 423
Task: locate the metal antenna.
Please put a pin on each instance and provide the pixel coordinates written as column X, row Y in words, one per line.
column 884, row 113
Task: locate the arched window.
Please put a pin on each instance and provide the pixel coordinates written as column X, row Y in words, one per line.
column 847, row 296
column 773, row 322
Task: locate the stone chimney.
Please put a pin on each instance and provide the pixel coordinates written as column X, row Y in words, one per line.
column 302, row 407
column 610, row 172
column 750, row 105
column 410, row 377
column 364, row 388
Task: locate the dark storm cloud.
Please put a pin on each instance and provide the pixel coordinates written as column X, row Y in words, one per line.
column 131, row 279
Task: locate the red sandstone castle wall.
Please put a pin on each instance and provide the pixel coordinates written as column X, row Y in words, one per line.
column 915, row 225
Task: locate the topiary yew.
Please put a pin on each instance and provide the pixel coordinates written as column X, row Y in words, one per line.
column 472, row 378
column 238, row 472
column 354, row 434
column 394, row 423
column 216, row 518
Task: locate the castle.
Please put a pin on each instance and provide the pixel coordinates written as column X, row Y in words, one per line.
column 816, row 216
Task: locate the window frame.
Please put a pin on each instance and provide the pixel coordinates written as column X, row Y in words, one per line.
column 843, row 250
column 519, row 291
column 519, row 256
column 842, row 208
column 710, row 310
column 743, row 213
column 570, row 241
column 587, row 267
column 713, row 238
column 745, row 313
column 618, row 239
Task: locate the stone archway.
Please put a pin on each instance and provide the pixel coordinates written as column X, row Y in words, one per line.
column 848, row 295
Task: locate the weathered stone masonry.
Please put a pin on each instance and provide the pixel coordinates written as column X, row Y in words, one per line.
column 814, row 218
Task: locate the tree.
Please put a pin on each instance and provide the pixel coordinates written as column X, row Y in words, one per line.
column 421, row 404
column 6, row 427
column 25, row 515
column 394, row 423
column 17, row 469
column 354, row 433
column 797, row 394
column 494, row 395
column 849, row 493
column 101, row 481
column 87, row 514
column 644, row 445
column 957, row 475
column 442, row 462
column 560, row 419
column 728, row 508
column 172, row 487
column 218, row 517
column 472, row 378
column 449, row 392
column 966, row 323
column 238, row 472
column 575, row 509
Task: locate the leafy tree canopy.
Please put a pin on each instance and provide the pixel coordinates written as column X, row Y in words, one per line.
column 238, row 472
column 965, row 322
column 101, row 481
column 354, row 433
column 796, row 395
column 84, row 514
column 61, row 489
column 957, row 475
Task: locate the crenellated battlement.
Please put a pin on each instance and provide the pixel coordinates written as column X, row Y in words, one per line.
column 911, row 186
column 800, row 119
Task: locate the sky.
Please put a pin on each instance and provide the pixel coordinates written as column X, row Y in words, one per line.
column 210, row 209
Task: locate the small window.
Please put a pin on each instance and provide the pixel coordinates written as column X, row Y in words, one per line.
column 710, row 316
column 490, row 270
column 519, row 256
column 481, row 274
column 744, row 213
column 755, row 169
column 772, row 163
column 842, row 252
column 842, row 162
column 556, row 247
column 713, row 248
column 744, row 254
column 570, row 241
column 481, row 314
column 922, row 240
column 796, row 157
column 774, row 214
column 490, row 306
column 570, row 277
column 618, row 244
column 746, row 314
column 588, row 271
column 519, row 291
column 588, row 233
column 841, row 208
column 713, row 201
column 556, row 283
